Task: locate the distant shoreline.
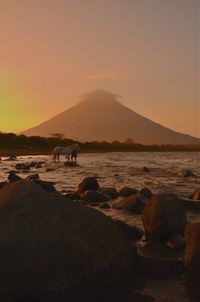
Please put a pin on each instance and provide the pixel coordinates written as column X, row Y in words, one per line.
column 30, row 152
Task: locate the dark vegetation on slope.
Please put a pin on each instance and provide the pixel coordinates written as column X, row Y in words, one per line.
column 20, row 144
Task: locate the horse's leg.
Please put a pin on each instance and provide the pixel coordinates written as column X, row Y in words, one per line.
column 58, row 156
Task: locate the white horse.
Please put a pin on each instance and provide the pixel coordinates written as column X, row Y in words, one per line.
column 72, row 150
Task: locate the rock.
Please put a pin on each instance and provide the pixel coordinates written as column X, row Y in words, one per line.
column 88, row 183
column 47, row 186
column 135, row 203
column 104, row 206
column 12, row 176
column 145, row 169
column 50, row 169
column 187, row 173
column 126, row 191
column 146, row 192
column 22, row 166
column 159, row 261
column 196, row 195
column 11, row 158
column 131, row 233
column 163, row 216
column 73, row 195
column 2, row 184
column 93, row 196
column 192, row 258
column 60, row 248
column 33, row 177
column 111, row 192
column 70, row 164
column 176, row 242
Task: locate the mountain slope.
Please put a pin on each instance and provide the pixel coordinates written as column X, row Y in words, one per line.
column 99, row 116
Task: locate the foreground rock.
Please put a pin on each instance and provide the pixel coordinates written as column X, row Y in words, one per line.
column 51, row 246
column 163, row 217
column 192, row 258
column 195, row 195
column 88, row 183
column 111, row 192
column 131, row 233
column 159, row 261
column 134, row 203
column 93, row 196
column 127, row 191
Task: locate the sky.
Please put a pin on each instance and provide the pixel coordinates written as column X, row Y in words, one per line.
column 146, row 51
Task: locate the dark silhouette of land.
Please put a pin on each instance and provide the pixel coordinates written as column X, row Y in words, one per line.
column 101, row 117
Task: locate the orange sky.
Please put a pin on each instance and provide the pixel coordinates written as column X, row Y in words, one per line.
column 52, row 51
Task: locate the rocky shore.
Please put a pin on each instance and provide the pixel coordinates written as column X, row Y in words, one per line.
column 65, row 246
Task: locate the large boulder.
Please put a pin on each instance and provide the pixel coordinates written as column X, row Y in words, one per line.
column 164, row 216
column 131, row 233
column 50, row 245
column 192, row 258
column 134, row 203
column 88, row 183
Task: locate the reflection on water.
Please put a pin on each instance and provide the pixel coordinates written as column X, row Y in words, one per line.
column 126, row 169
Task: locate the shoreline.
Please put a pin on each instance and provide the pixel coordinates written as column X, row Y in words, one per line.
column 32, row 152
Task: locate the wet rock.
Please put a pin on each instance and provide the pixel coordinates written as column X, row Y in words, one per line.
column 88, row 183
column 187, row 173
column 111, row 192
column 50, row 169
column 70, row 164
column 146, row 169
column 159, row 261
column 2, row 184
column 176, row 242
column 22, row 166
column 127, row 191
column 33, row 177
column 104, row 206
column 192, row 258
column 131, row 233
column 11, row 158
column 196, row 195
column 146, row 192
column 12, row 176
column 55, row 245
column 93, row 196
column 163, row 216
column 73, row 195
column 191, row 205
column 134, row 203
column 47, row 186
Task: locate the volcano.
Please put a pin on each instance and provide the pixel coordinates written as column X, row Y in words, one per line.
column 99, row 116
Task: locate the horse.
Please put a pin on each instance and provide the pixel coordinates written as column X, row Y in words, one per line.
column 72, row 150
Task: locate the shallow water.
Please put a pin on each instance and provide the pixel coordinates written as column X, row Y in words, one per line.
column 126, row 169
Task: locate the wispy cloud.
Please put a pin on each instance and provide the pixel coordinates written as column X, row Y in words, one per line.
column 108, row 76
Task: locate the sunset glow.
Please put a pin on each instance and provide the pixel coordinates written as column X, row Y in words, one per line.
column 53, row 51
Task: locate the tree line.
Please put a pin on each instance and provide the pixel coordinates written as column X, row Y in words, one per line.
column 12, row 141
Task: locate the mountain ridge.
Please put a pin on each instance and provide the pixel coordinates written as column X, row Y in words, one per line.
column 99, row 116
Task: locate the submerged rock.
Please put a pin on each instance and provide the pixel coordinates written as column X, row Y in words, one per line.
column 22, row 166
column 163, row 216
column 93, row 196
column 111, row 192
column 187, row 173
column 104, row 206
column 12, row 176
column 58, row 247
column 127, row 191
column 70, row 164
column 135, row 203
column 88, row 183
